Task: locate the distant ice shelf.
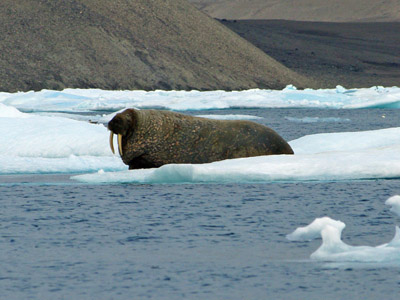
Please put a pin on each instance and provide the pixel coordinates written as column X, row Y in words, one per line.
column 79, row 100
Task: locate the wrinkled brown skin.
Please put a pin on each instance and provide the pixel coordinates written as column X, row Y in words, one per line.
column 152, row 138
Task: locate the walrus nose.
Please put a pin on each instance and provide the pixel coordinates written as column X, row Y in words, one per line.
column 119, row 143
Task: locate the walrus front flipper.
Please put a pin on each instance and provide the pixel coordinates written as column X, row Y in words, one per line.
column 141, row 163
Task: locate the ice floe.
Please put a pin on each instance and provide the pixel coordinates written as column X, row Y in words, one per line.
column 42, row 144
column 332, row 156
column 50, row 132
column 78, row 100
column 333, row 249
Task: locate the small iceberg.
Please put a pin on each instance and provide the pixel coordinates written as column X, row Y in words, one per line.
column 333, row 249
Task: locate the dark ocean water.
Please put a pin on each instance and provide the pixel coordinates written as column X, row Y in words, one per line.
column 60, row 239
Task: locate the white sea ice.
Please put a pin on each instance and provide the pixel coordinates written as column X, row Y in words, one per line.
column 54, row 138
column 348, row 141
column 11, row 112
column 335, row 156
column 42, row 144
column 333, row 249
column 313, row 230
column 394, row 202
column 79, row 100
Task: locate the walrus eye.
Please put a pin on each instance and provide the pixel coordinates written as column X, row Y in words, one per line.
column 119, row 143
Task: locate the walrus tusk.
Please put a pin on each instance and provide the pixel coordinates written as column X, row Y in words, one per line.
column 112, row 142
column 119, row 143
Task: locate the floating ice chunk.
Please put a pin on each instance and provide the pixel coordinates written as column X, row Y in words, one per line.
column 395, row 203
column 335, row 165
column 42, row 144
column 395, row 242
column 313, row 230
column 334, row 249
column 342, row 166
column 346, row 141
column 69, row 164
column 52, row 137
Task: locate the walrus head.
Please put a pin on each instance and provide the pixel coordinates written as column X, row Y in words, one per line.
column 120, row 125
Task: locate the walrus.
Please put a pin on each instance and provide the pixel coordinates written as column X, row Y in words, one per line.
column 152, row 138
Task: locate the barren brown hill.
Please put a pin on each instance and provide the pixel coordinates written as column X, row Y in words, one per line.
column 304, row 10
column 127, row 44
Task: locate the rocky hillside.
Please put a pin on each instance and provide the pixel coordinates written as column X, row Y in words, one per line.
column 127, row 44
